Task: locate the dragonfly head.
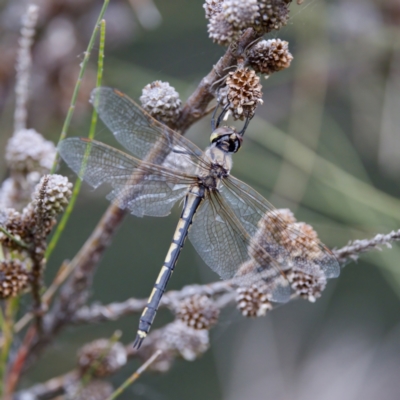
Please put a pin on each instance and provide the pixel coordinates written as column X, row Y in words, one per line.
column 227, row 139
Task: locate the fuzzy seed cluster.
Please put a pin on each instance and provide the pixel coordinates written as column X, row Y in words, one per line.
column 294, row 245
column 51, row 195
column 28, row 151
column 13, row 278
column 306, row 285
column 268, row 56
column 101, row 357
column 174, row 340
column 274, row 14
column 229, row 18
column 188, row 342
column 252, row 301
column 243, row 93
column 96, row 389
column 161, row 101
column 198, row 312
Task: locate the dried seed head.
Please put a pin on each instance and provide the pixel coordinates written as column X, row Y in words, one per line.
column 94, row 390
column 273, row 15
column 188, row 342
column 252, row 302
column 269, row 56
column 28, row 151
column 13, row 278
column 301, row 240
column 306, row 285
column 101, row 357
column 221, row 31
column 212, row 7
column 51, row 195
column 13, row 222
column 240, row 13
column 161, row 101
column 198, row 312
column 243, row 93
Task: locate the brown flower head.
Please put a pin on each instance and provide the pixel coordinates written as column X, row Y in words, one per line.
column 273, row 15
column 198, row 312
column 13, row 278
column 306, row 285
column 243, row 93
column 268, row 56
column 101, row 357
column 252, row 302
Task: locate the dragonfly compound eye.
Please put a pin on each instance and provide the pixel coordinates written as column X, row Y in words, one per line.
column 227, row 139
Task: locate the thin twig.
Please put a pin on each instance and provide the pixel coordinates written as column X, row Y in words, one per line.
column 352, row 251
column 79, row 81
column 135, row 375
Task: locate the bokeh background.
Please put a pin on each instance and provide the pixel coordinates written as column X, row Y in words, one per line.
column 326, row 143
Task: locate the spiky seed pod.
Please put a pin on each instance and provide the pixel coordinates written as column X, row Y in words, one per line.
column 306, row 285
column 221, row 31
column 244, row 93
column 51, row 195
column 212, row 7
column 161, row 101
column 252, row 302
column 188, row 342
column 269, row 56
column 101, row 357
column 198, row 312
column 273, row 15
column 94, row 390
column 13, row 278
column 28, row 151
column 240, row 13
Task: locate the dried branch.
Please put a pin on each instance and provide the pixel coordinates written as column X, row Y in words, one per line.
column 352, row 251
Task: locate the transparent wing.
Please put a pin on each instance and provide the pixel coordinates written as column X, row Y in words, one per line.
column 227, row 248
column 288, row 246
column 141, row 134
column 143, row 188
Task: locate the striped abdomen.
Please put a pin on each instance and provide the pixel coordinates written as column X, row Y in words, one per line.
column 192, row 202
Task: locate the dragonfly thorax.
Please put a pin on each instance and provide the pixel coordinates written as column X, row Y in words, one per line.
column 227, row 139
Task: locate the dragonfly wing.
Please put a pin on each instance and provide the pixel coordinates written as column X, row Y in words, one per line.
column 143, row 188
column 226, row 247
column 308, row 254
column 141, row 134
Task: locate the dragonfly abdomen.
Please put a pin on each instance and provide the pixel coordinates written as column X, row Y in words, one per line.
column 192, row 202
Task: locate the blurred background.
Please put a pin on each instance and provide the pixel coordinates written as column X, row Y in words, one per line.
column 326, row 143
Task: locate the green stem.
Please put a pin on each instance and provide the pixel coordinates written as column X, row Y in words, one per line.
column 134, row 376
column 19, row 242
column 78, row 183
column 79, row 81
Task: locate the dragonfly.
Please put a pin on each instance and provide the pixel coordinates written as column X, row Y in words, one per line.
column 221, row 215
